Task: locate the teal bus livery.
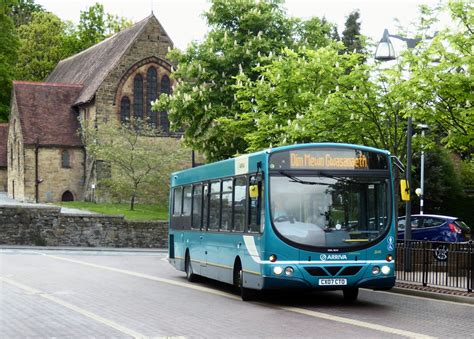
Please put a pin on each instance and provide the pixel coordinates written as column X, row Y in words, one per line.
column 316, row 216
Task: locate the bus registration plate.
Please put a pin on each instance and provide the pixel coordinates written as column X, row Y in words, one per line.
column 332, row 282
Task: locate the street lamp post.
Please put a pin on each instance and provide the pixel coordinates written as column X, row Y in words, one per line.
column 386, row 52
column 421, row 194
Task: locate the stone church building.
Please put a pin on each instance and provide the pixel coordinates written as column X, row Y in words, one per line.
column 42, row 157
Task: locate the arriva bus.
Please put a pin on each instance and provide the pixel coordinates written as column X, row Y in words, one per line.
column 315, row 216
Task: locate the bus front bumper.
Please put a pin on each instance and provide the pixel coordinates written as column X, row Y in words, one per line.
column 275, row 283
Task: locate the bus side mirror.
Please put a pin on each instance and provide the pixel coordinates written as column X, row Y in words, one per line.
column 253, row 191
column 404, row 190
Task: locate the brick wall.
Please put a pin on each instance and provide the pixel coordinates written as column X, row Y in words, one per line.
column 46, row 226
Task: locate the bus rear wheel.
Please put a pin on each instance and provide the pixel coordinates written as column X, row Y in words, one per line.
column 188, row 267
column 350, row 294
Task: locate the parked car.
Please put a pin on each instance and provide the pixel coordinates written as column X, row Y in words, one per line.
column 440, row 228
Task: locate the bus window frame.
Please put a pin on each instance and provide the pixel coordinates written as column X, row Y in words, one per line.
column 235, row 178
column 209, row 207
column 231, row 225
column 260, row 202
column 174, row 201
column 194, row 185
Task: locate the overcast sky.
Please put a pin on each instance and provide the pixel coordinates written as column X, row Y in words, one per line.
column 183, row 21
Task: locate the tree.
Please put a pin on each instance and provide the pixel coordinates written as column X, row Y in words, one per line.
column 95, row 25
column 140, row 162
column 22, row 11
column 243, row 35
column 440, row 83
column 41, row 46
column 8, row 55
column 322, row 95
column 351, row 36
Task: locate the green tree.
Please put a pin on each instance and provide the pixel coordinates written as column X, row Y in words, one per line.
column 243, row 34
column 441, row 83
column 8, row 56
column 140, row 162
column 322, row 95
column 95, row 25
column 351, row 36
column 41, row 46
column 22, row 11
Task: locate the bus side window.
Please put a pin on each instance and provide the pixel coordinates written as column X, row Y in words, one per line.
column 215, row 206
column 240, row 198
column 226, row 218
column 205, row 206
column 177, row 204
column 255, row 207
column 197, row 207
column 187, row 199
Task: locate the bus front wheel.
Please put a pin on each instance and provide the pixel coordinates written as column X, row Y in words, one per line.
column 246, row 294
column 188, row 267
column 350, row 294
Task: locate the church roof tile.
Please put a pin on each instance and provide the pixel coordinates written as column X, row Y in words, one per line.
column 46, row 113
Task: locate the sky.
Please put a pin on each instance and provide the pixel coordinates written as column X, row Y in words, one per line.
column 183, row 21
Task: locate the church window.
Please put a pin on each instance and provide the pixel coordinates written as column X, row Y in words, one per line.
column 151, row 79
column 125, row 109
column 138, row 96
column 165, row 88
column 65, row 159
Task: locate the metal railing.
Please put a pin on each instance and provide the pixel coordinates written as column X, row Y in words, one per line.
column 437, row 264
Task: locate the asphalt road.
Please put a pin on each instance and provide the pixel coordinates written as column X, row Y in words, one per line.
column 78, row 294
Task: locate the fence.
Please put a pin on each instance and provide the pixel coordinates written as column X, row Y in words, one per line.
column 436, row 263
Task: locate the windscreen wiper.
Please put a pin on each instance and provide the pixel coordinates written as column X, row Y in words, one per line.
column 304, row 182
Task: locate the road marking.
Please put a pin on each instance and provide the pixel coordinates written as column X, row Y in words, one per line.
column 146, row 276
column 303, row 311
column 426, row 298
column 74, row 308
column 354, row 322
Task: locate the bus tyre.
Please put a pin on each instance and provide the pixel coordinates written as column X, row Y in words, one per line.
column 189, row 269
column 350, row 294
column 246, row 294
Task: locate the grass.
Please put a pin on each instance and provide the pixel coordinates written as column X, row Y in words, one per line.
column 141, row 212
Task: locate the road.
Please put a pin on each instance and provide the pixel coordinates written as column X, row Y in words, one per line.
column 78, row 294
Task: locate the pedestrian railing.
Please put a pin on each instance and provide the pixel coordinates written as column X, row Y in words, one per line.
column 440, row 264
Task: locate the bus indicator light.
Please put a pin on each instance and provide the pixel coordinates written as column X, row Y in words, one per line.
column 273, row 258
column 289, row 271
column 389, row 258
column 375, row 270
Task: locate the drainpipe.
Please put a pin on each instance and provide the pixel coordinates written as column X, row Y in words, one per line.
column 37, row 181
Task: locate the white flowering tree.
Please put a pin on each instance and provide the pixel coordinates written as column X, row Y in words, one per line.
column 243, row 34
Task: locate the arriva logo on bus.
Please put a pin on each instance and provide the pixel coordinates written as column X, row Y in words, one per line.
column 325, row 257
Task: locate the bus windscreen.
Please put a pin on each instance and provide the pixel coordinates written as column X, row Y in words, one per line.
column 329, row 198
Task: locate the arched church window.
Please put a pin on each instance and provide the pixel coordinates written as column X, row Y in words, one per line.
column 65, row 159
column 125, row 109
column 165, row 88
column 152, row 93
column 138, row 96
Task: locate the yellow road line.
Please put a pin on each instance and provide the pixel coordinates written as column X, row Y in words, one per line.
column 314, row 314
column 74, row 308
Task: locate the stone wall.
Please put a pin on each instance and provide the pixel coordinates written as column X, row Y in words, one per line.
column 3, row 179
column 46, row 226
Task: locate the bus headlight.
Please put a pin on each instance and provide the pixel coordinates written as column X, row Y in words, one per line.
column 277, row 270
column 375, row 270
column 289, row 271
column 385, row 270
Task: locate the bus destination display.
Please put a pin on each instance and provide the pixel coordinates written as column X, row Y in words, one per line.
column 328, row 159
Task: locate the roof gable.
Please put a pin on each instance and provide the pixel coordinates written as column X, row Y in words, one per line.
column 91, row 66
column 3, row 145
column 46, row 114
